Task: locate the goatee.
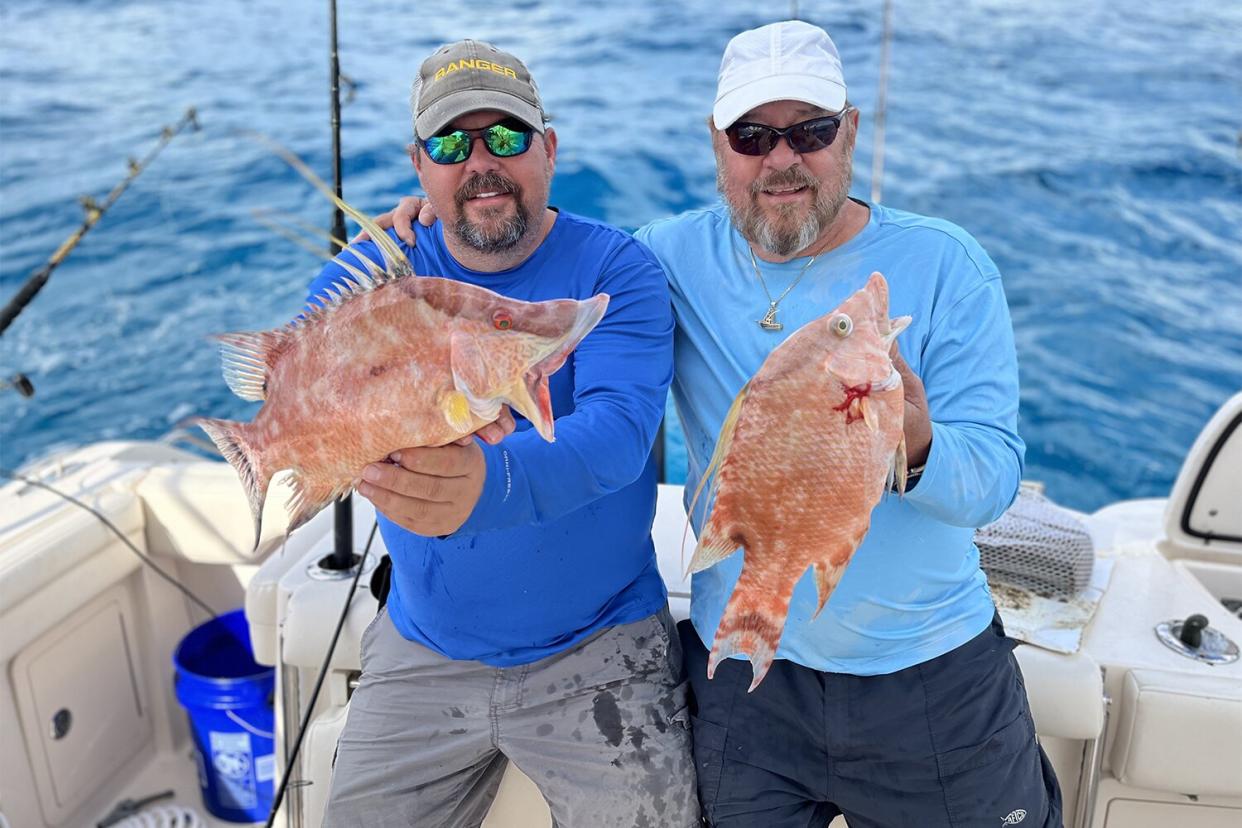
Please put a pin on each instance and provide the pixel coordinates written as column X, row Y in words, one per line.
column 493, row 237
column 784, row 229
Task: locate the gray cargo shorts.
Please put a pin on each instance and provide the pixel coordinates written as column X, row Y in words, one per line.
column 601, row 728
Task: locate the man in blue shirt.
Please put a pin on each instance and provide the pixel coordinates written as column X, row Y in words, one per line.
column 901, row 703
column 527, row 620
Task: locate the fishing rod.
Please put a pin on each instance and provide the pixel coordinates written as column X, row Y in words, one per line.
column 94, row 211
column 343, row 509
column 342, row 558
column 286, row 778
column 881, row 106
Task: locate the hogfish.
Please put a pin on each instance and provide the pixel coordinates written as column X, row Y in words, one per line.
column 808, row 447
column 388, row 361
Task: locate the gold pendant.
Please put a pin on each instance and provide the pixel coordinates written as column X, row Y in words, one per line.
column 768, row 322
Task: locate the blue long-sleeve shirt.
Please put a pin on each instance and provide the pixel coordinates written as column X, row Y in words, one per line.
column 559, row 544
column 914, row 589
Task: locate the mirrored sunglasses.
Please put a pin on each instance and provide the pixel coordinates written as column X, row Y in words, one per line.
column 506, row 139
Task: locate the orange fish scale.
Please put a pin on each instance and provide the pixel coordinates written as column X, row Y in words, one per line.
column 333, row 412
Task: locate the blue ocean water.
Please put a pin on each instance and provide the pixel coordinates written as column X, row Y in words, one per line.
column 1091, row 146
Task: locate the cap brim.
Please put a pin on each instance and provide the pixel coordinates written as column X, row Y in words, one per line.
column 444, row 111
column 815, row 90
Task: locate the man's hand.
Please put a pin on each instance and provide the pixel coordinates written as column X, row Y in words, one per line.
column 495, row 431
column 918, row 420
column 430, row 491
column 401, row 217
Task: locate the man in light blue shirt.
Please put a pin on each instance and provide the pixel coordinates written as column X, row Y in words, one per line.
column 901, row 703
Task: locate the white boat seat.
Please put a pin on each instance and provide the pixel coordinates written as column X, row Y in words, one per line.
column 1180, row 732
column 263, row 605
column 198, row 511
column 285, row 571
column 1066, row 692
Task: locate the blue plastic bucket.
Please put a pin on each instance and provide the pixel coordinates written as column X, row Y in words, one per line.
column 228, row 698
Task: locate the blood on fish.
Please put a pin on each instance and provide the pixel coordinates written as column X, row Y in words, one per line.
column 852, row 394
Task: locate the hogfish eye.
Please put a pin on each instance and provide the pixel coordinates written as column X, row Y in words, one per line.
column 841, row 325
column 502, row 321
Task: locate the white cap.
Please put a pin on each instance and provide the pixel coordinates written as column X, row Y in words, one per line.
column 786, row 61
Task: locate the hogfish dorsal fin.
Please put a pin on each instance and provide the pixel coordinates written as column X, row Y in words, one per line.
column 374, row 276
column 712, row 545
column 339, row 292
column 272, row 219
column 394, row 259
column 246, row 358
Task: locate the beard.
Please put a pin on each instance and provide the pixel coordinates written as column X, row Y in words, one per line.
column 496, row 232
column 785, row 229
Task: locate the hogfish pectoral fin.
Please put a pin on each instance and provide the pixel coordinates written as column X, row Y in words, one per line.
column 897, row 475
column 456, row 410
column 246, row 358
column 475, row 375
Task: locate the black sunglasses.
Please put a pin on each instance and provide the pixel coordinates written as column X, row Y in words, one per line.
column 807, row 136
column 505, row 139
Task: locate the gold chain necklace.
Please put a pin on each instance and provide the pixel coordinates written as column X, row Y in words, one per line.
column 768, row 322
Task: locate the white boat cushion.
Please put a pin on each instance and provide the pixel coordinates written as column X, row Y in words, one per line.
column 1066, row 692
column 1180, row 732
column 198, row 511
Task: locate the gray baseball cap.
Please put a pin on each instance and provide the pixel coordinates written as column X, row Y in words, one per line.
column 470, row 75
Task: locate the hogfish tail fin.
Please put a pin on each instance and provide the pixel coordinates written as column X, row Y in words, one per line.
column 231, row 439
column 714, row 544
column 751, row 625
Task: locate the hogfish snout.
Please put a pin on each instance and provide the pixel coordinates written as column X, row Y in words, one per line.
column 512, row 363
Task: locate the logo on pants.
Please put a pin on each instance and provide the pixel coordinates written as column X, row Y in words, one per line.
column 1014, row 817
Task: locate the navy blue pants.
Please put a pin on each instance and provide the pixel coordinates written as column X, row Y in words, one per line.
column 949, row 742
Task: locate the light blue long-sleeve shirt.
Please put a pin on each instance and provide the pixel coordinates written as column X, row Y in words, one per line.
column 913, row 590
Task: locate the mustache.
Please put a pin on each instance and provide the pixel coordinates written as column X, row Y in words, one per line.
column 488, row 182
column 792, row 177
